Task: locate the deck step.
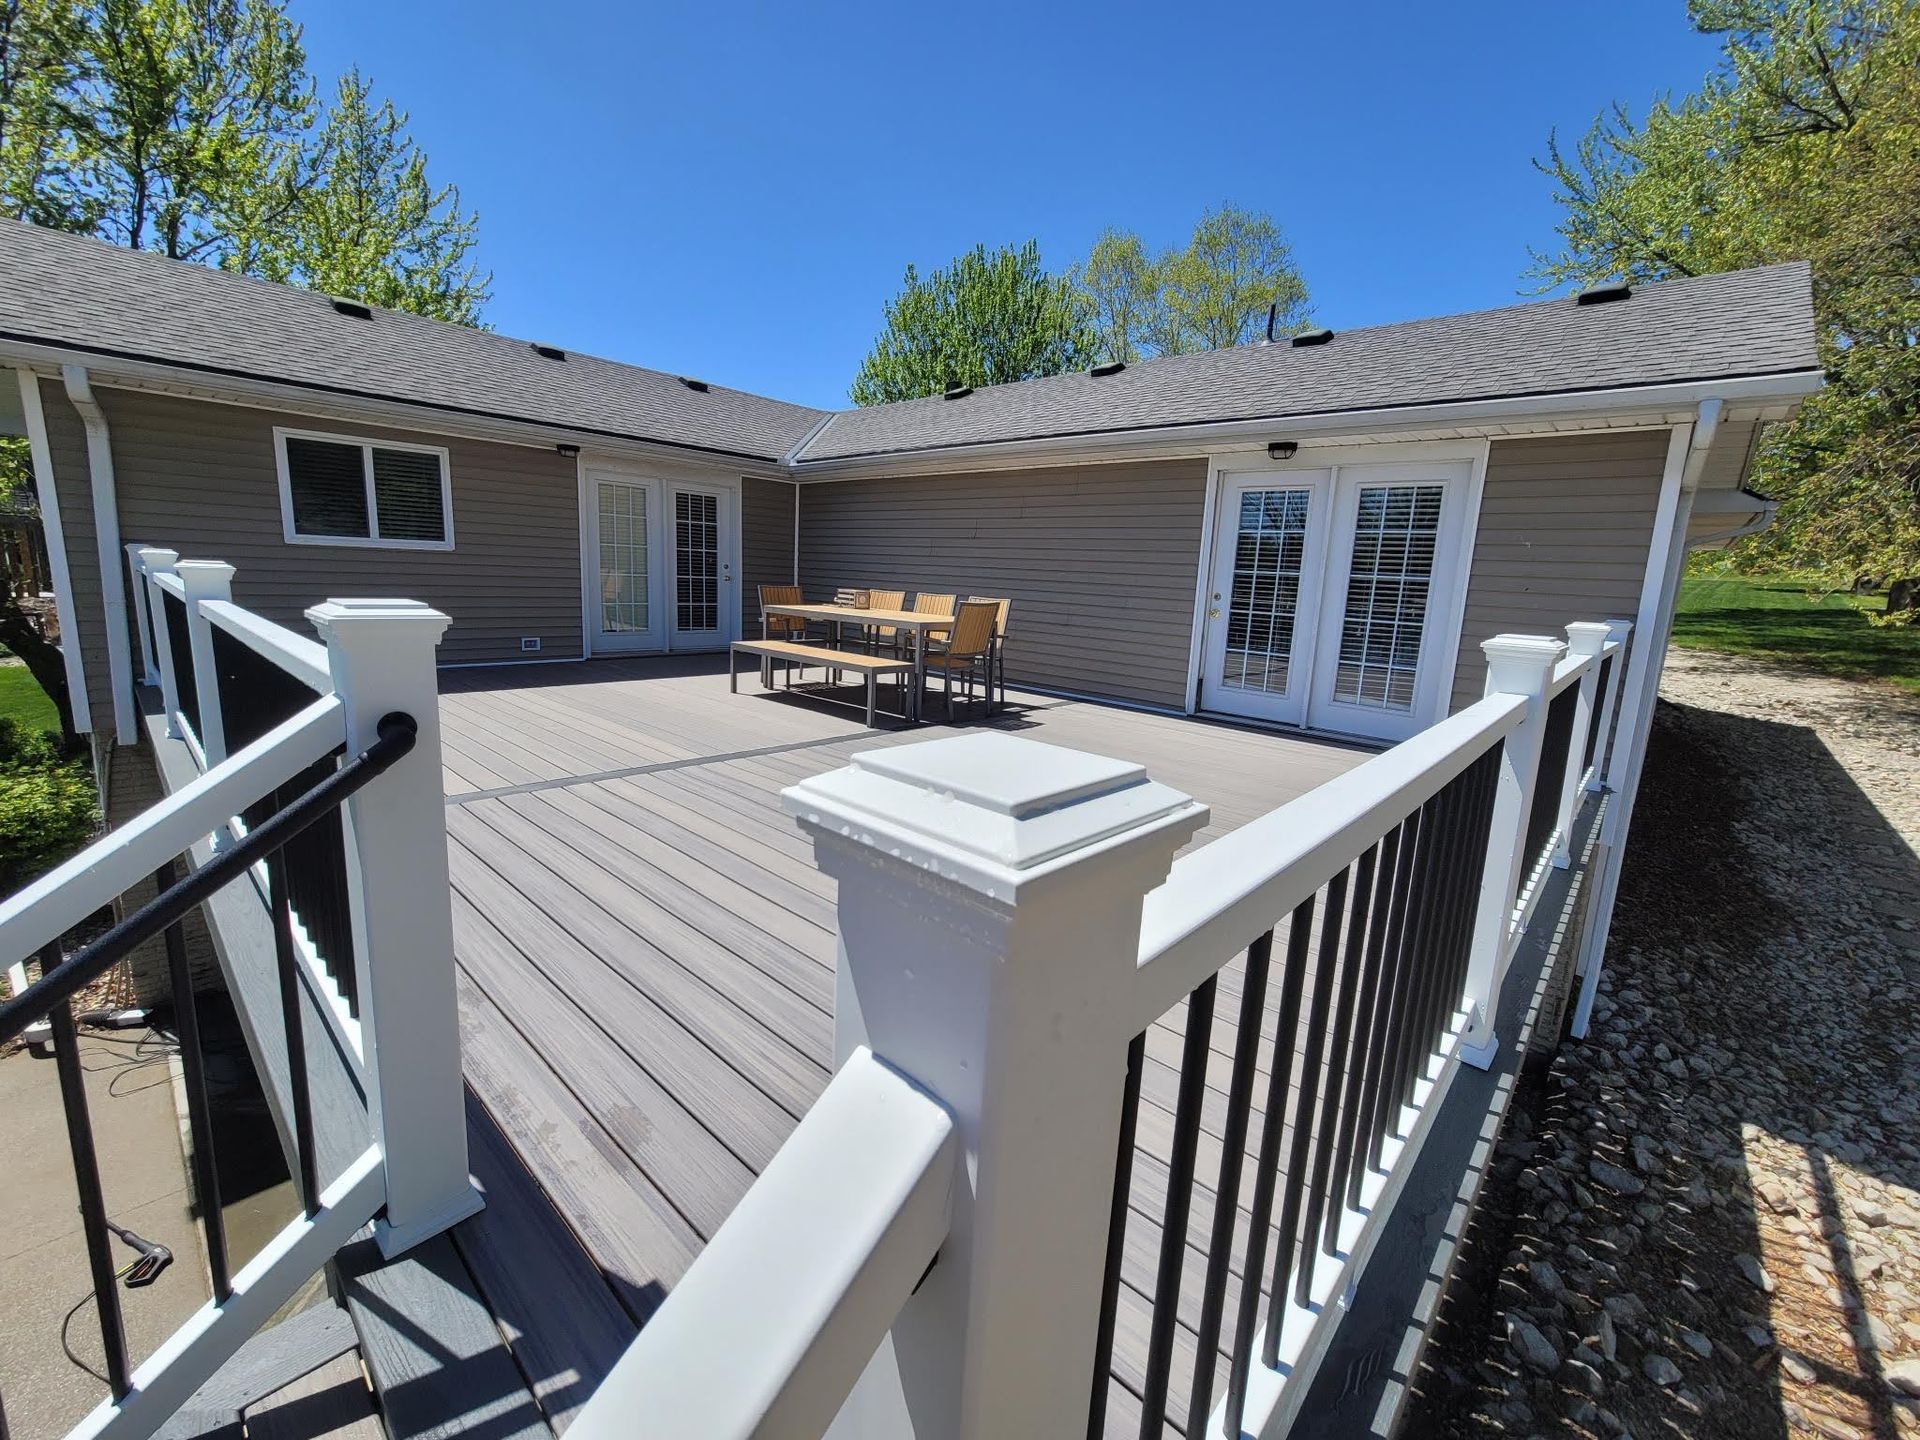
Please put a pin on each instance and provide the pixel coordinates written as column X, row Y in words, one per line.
column 266, row 1365
column 330, row 1403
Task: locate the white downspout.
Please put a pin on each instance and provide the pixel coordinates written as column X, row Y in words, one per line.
column 1651, row 631
column 43, row 481
column 106, row 528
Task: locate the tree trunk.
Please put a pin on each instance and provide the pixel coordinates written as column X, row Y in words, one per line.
column 20, row 634
column 1903, row 595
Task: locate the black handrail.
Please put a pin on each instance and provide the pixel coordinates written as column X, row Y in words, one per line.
column 397, row 733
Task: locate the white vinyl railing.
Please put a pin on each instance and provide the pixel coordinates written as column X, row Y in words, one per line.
column 263, row 711
column 1015, row 933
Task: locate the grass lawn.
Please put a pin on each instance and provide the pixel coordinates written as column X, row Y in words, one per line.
column 1772, row 619
column 23, row 699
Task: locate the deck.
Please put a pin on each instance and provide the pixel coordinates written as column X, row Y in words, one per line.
column 646, row 959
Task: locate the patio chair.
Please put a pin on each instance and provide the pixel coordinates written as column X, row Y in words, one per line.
column 999, row 666
column 967, row 649
column 877, row 636
column 780, row 627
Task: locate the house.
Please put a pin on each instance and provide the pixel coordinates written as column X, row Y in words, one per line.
column 1337, row 543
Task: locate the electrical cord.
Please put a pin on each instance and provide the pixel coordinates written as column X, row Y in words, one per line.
column 66, row 1344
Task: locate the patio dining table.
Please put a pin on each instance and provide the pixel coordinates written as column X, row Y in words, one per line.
column 912, row 622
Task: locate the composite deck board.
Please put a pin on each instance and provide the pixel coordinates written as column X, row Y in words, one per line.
column 646, row 956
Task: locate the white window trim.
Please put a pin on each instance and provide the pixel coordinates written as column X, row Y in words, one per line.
column 368, row 444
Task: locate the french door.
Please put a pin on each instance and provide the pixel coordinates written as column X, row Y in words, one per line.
column 623, row 558
column 659, row 564
column 1332, row 596
column 702, row 568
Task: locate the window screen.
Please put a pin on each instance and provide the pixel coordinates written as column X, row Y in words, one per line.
column 406, row 493
column 344, row 490
column 329, row 487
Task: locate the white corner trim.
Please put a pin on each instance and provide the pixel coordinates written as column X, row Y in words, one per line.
column 1203, row 577
column 372, row 540
column 1456, row 617
column 106, row 529
column 48, row 487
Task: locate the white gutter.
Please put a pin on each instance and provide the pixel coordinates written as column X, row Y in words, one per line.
column 44, row 483
column 1193, row 439
column 106, row 528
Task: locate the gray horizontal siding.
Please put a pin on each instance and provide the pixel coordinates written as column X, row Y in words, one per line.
column 1566, row 525
column 766, row 544
column 200, row 478
column 1100, row 562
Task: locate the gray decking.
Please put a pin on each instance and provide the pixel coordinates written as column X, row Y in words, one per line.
column 646, row 974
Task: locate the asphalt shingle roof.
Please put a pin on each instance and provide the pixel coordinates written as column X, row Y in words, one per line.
column 1746, row 322
column 80, row 293
column 68, row 290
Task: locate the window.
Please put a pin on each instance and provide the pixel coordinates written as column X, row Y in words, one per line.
column 335, row 490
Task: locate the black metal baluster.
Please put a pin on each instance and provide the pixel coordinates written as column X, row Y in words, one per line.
column 291, row 1019
column 1435, row 968
column 1116, row 1239
column 186, row 1029
column 1173, row 1221
column 1393, row 1000
column 1266, row 1163
column 1293, row 1196
column 1367, row 1026
column 86, row 1177
column 1319, row 1212
column 1233, row 1143
column 1419, row 961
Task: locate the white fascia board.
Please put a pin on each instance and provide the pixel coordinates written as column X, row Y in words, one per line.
column 1345, row 426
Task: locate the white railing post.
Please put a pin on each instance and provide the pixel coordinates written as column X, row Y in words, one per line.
column 156, row 562
column 1516, row 665
column 137, row 568
column 206, row 580
column 1603, row 771
column 990, row 897
column 381, row 654
column 1585, row 640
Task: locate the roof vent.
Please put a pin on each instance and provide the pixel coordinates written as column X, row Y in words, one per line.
column 1310, row 337
column 1108, row 367
column 1603, row 294
column 550, row 352
column 352, row 307
column 693, row 384
column 957, row 392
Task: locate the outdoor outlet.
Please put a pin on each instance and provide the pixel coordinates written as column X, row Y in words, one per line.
column 529, row 642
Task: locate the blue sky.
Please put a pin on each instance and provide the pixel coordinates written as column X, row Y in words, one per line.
column 733, row 192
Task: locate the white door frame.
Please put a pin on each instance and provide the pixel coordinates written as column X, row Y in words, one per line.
column 662, row 477
column 1439, row 643
column 1445, row 632
column 1289, row 708
column 727, row 543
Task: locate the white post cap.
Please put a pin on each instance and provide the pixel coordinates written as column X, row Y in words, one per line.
column 345, row 616
column 205, row 577
column 158, row 557
column 990, row 812
column 1587, row 637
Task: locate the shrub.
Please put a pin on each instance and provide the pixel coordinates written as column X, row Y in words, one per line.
column 47, row 804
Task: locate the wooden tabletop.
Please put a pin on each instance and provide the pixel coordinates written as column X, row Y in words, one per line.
column 904, row 619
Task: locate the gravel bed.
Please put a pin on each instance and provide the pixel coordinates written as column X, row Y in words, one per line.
column 1705, row 1219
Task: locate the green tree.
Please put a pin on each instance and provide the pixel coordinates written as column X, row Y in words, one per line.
column 1209, row 294
column 1122, row 287
column 370, row 225
column 42, row 57
column 988, row 318
column 190, row 119
column 1804, row 144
